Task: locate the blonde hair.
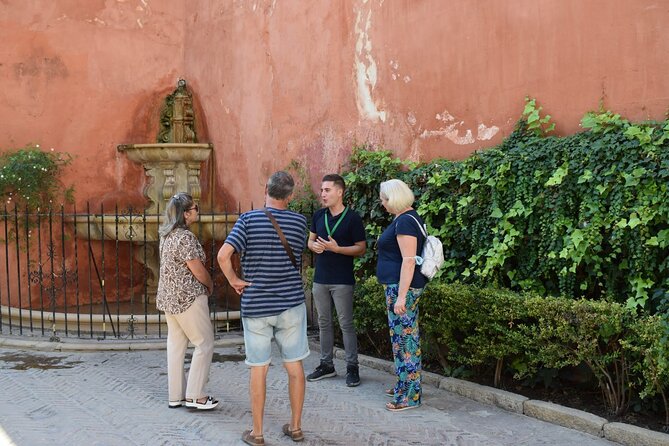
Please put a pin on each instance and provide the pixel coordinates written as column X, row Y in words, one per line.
column 397, row 194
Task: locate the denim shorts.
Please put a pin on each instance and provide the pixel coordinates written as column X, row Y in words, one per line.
column 289, row 329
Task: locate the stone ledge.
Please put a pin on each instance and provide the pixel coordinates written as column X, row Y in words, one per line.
column 565, row 416
column 106, row 345
column 430, row 378
column 484, row 394
column 630, row 435
column 367, row 361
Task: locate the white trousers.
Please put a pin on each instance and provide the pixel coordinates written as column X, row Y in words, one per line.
column 192, row 325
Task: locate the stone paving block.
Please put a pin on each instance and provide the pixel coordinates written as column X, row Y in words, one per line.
column 634, row 436
column 484, row 394
column 566, row 416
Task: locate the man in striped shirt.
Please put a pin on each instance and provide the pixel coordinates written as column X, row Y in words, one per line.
column 272, row 297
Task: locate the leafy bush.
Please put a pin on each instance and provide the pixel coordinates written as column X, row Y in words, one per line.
column 464, row 326
column 585, row 215
column 564, row 332
column 370, row 317
column 651, row 371
column 30, row 176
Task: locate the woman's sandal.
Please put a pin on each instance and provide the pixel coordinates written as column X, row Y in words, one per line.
column 176, row 404
column 397, row 407
column 209, row 403
column 389, row 392
column 295, row 435
column 253, row 440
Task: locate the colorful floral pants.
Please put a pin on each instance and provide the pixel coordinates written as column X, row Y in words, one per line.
column 405, row 339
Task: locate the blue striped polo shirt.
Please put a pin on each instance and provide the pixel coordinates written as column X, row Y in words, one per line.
column 275, row 283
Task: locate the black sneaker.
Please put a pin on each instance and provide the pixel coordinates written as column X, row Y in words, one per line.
column 322, row 371
column 352, row 376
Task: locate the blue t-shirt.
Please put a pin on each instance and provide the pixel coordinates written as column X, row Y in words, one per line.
column 333, row 268
column 276, row 285
column 389, row 261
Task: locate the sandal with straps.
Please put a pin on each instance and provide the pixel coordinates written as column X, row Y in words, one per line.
column 397, row 407
column 176, row 404
column 295, row 434
column 253, row 440
column 209, row 403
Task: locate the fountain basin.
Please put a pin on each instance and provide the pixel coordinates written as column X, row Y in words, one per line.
column 167, row 152
column 171, row 167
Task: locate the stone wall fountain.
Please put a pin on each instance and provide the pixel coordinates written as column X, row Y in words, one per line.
column 172, row 165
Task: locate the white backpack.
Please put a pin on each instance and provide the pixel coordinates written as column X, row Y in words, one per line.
column 432, row 255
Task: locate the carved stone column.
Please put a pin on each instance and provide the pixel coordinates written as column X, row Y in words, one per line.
column 194, row 181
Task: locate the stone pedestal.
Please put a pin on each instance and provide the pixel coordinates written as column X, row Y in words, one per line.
column 171, row 168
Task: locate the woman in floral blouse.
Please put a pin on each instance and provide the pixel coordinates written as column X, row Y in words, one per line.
column 183, row 289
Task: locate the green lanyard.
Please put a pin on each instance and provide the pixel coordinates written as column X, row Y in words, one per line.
column 327, row 226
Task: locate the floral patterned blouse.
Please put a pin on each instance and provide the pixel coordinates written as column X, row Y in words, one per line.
column 177, row 286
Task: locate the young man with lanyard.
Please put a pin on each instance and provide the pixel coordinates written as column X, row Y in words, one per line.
column 337, row 235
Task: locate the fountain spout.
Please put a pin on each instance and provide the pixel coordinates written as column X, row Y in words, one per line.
column 173, row 163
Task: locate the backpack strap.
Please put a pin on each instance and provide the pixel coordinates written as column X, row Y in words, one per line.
column 282, row 237
column 424, row 231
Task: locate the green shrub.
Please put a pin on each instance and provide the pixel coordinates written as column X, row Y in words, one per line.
column 464, row 326
column 471, row 326
column 651, row 371
column 565, row 332
column 31, row 177
column 371, row 318
column 585, row 215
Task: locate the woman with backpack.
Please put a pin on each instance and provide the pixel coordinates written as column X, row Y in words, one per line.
column 398, row 247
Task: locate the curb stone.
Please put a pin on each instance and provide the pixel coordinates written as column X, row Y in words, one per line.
column 626, row 434
column 631, row 435
column 484, row 394
column 566, row 416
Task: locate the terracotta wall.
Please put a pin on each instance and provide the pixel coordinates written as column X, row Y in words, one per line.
column 277, row 81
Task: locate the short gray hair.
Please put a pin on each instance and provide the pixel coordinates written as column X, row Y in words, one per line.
column 174, row 213
column 398, row 195
column 280, row 185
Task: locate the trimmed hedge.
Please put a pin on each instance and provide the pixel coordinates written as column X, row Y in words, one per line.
column 463, row 326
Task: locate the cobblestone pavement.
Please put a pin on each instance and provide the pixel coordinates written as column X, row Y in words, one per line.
column 120, row 398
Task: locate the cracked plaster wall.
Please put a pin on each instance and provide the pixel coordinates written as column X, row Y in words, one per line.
column 276, row 81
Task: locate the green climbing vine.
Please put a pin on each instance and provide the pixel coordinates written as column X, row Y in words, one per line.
column 584, row 215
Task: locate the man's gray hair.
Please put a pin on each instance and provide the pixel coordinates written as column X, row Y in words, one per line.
column 280, row 185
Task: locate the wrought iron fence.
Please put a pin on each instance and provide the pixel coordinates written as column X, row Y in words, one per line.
column 94, row 275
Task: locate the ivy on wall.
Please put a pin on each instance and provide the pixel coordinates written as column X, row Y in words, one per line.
column 585, row 215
